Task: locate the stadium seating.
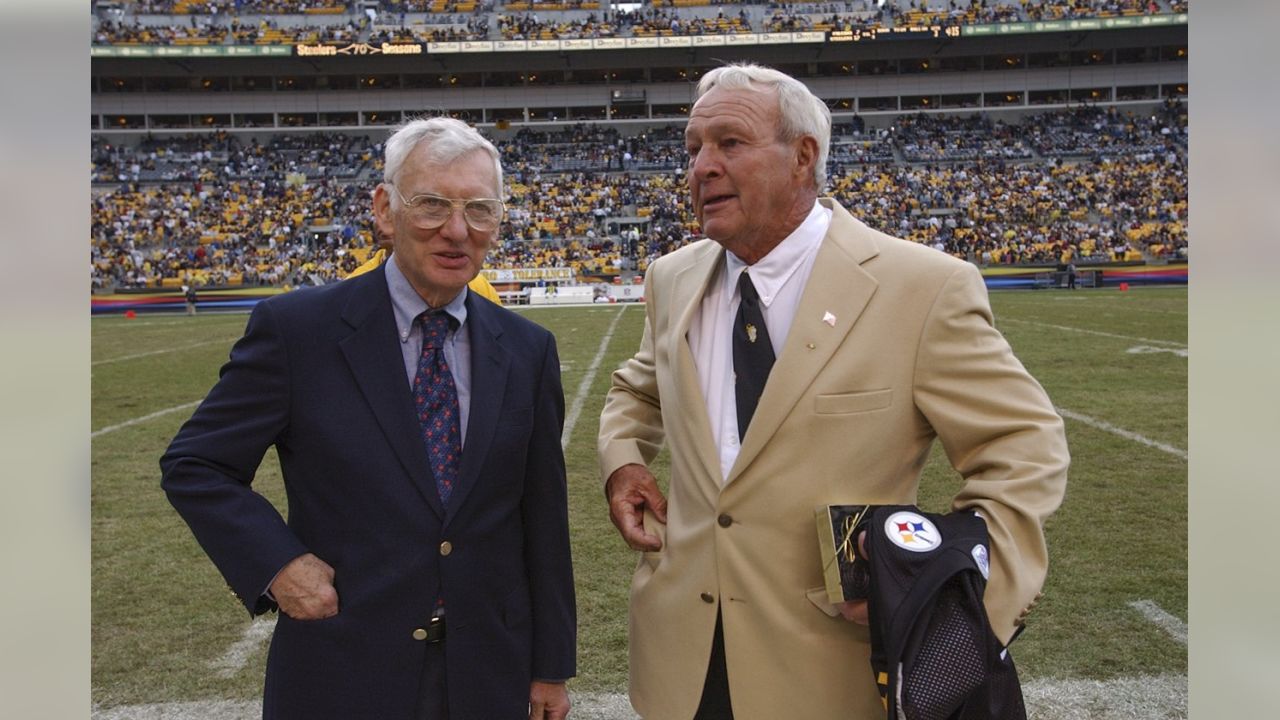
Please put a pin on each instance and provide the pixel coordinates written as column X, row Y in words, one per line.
column 1087, row 184
column 288, row 22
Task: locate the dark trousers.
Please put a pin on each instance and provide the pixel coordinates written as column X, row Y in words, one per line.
column 715, row 703
column 433, row 692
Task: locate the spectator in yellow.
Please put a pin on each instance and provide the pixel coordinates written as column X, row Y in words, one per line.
column 478, row 285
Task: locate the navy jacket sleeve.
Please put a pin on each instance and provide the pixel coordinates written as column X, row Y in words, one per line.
column 209, row 467
column 545, row 518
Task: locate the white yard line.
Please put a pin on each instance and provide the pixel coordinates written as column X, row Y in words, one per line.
column 144, row 418
column 180, row 348
column 1148, row 697
column 1121, row 432
column 1163, row 620
column 585, row 386
column 237, row 656
column 1148, row 349
column 1093, row 332
column 1101, row 299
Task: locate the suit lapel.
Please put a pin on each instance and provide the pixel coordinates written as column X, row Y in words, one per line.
column 490, row 362
column 372, row 352
column 690, row 285
column 837, row 286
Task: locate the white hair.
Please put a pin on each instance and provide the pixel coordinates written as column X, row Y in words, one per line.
column 447, row 139
column 801, row 112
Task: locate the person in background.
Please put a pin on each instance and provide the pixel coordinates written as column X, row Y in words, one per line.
column 479, row 285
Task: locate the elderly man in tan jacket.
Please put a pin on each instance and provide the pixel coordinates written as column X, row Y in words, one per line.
column 879, row 346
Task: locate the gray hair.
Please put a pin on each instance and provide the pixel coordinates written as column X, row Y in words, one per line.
column 801, row 112
column 447, row 140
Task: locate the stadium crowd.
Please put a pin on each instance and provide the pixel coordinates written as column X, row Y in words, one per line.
column 1077, row 9
column 195, row 22
column 528, row 27
column 214, row 209
column 234, row 32
column 224, row 156
column 244, row 7
column 444, row 28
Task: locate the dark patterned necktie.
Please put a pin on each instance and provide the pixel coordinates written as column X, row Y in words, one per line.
column 752, row 353
column 436, row 401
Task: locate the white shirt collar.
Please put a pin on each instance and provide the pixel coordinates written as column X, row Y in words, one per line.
column 407, row 304
column 775, row 269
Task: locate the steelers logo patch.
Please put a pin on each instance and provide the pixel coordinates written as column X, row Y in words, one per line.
column 910, row 531
column 982, row 560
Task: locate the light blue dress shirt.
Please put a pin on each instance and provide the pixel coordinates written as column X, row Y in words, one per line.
column 408, row 305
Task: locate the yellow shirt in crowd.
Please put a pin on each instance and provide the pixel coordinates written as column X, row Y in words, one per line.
column 479, row 285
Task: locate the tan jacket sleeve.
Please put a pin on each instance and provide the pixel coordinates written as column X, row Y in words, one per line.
column 1000, row 432
column 631, row 428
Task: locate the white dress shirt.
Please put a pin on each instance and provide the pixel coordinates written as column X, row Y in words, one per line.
column 779, row 278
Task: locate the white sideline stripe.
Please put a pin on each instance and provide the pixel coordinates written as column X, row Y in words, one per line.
column 1166, row 622
column 1126, row 434
column 144, row 418
column 122, row 358
column 1147, row 697
column 236, row 656
column 585, row 386
column 1147, row 349
column 1094, row 332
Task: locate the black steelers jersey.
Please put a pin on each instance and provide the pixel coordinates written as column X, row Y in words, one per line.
column 933, row 652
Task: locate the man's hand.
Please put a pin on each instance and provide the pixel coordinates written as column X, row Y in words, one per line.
column 548, row 701
column 304, row 589
column 856, row 610
column 631, row 489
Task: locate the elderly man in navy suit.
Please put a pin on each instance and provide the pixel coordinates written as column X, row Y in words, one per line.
column 424, row 570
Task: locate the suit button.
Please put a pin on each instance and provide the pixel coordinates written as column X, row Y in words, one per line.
column 419, row 634
column 725, row 519
column 708, row 598
column 446, row 547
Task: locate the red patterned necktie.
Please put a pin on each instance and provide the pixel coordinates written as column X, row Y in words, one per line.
column 436, row 401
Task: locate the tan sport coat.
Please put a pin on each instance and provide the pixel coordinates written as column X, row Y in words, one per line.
column 848, row 416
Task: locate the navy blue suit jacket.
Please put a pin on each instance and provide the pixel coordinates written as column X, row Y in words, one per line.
column 319, row 374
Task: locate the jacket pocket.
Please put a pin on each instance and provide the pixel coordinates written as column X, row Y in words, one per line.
column 847, row 403
column 652, row 525
column 818, row 596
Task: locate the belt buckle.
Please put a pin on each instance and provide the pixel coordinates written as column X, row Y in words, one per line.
column 435, row 629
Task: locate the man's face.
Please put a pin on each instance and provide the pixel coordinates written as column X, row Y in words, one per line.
column 441, row 261
column 747, row 185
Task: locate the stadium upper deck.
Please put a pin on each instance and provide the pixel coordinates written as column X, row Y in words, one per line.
column 502, row 82
column 125, row 24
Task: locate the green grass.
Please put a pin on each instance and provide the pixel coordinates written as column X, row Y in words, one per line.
column 161, row 613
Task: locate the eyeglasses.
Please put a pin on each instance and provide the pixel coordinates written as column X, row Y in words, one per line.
column 428, row 211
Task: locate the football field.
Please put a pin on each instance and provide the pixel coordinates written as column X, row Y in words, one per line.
column 1109, row 638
